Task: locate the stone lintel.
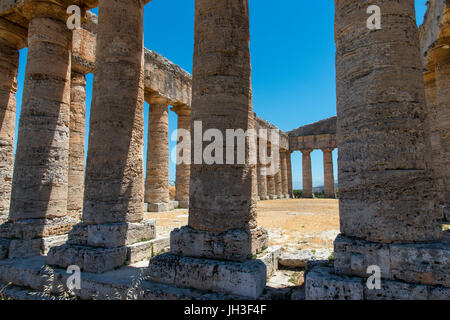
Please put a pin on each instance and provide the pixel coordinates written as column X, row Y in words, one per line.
column 323, row 284
column 162, row 207
column 246, row 279
column 421, row 263
column 234, row 245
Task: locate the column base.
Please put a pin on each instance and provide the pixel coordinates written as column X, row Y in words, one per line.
column 33, row 237
column 162, row 206
column 420, row 263
column 322, row 283
column 246, row 279
column 103, row 247
column 233, row 245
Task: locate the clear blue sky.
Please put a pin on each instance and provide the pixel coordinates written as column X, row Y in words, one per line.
column 292, row 47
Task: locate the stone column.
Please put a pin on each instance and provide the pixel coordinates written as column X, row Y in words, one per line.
column 11, row 40
column 328, row 173
column 290, row 184
column 157, row 178
column 76, row 144
column 387, row 212
column 183, row 170
column 278, row 178
column 390, row 152
column 284, row 174
column 262, row 175
column 114, row 185
column 307, row 174
column 271, row 191
column 39, row 186
column 440, row 125
column 222, row 215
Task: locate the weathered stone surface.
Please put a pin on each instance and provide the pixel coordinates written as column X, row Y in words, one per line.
column 157, row 178
column 427, row 263
column 9, row 64
column 95, row 260
column 307, row 174
column 25, row 248
column 40, row 173
column 328, row 173
column 380, row 127
column 147, row 249
column 114, row 169
column 270, row 258
column 321, row 284
column 163, row 207
column 4, row 247
column 183, row 170
column 301, row 258
column 246, row 279
column 234, row 245
column 120, row 234
column 36, row 228
column 222, row 100
column 76, row 145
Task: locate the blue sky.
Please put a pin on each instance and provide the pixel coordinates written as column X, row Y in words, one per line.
column 293, row 54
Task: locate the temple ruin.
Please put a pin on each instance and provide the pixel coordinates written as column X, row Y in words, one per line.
column 56, row 209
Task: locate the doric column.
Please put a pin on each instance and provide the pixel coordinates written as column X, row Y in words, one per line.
column 262, row 175
column 11, row 40
column 114, row 185
column 271, row 191
column 278, row 178
column 42, row 157
column 183, row 170
column 284, row 174
column 382, row 142
column 290, row 184
column 328, row 173
column 157, row 178
column 439, row 119
column 222, row 215
column 76, row 144
column 307, row 174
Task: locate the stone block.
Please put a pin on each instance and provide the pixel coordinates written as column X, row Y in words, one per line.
column 421, row 263
column 95, row 260
column 78, row 235
column 353, row 257
column 270, row 258
column 300, row 258
column 25, row 248
column 246, row 279
column 120, row 234
column 322, row 284
column 260, row 239
column 54, row 241
column 234, row 245
column 147, row 249
column 427, row 263
column 36, row 228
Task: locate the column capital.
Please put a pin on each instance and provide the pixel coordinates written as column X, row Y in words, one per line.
column 306, row 151
column 150, row 99
column 330, row 149
column 181, row 110
column 55, row 9
column 13, row 34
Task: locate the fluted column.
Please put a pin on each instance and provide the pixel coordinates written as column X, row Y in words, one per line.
column 76, row 144
column 183, row 170
column 10, row 43
column 114, row 190
column 381, row 117
column 157, row 178
column 290, row 184
column 307, row 174
column 41, row 165
column 328, row 173
column 284, row 174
